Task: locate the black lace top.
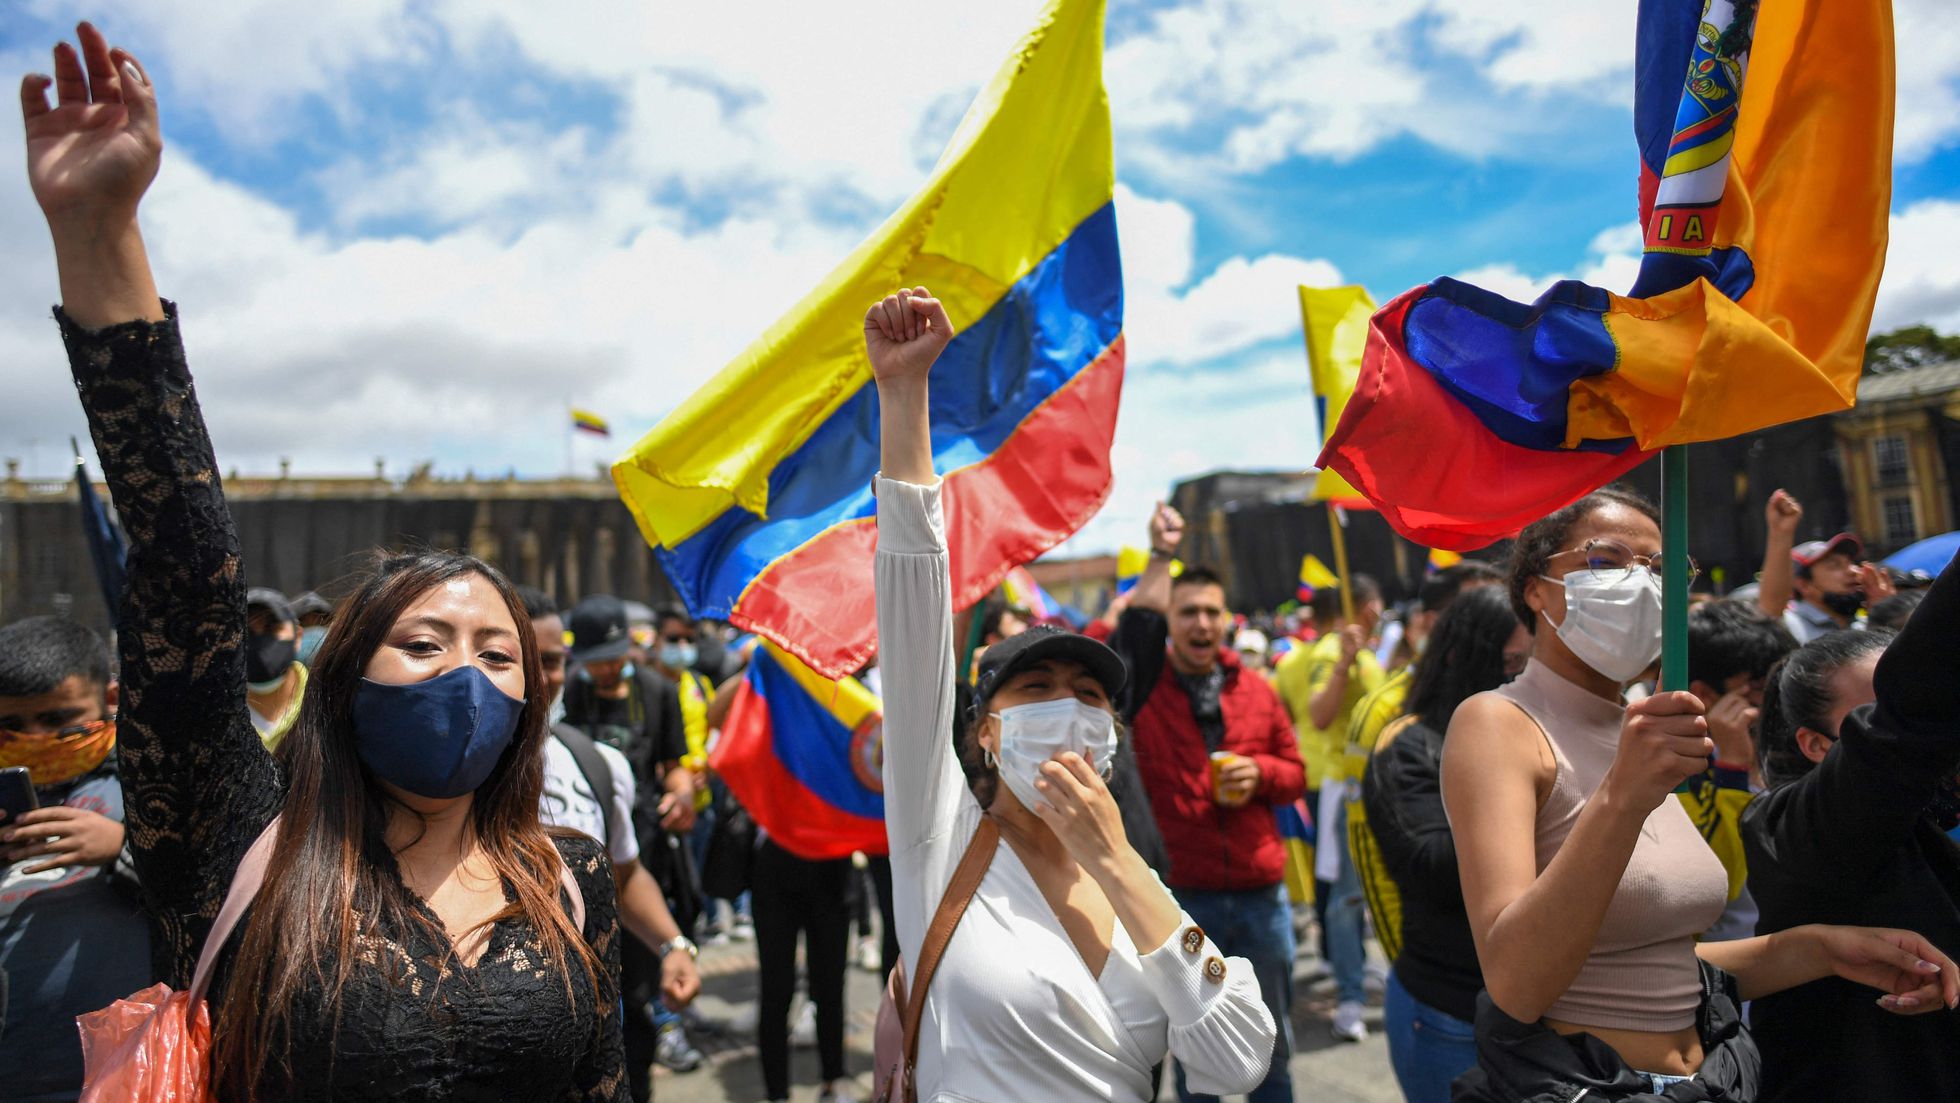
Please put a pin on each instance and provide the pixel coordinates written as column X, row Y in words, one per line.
column 199, row 787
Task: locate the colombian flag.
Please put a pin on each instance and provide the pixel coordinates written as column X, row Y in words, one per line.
column 1298, row 835
column 1314, row 575
column 805, row 756
column 756, row 492
column 585, row 421
column 1336, row 324
column 1765, row 223
column 1023, row 592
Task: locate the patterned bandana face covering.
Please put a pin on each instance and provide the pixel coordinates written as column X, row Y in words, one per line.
column 55, row 758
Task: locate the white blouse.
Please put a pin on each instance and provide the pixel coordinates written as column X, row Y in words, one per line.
column 1014, row 1013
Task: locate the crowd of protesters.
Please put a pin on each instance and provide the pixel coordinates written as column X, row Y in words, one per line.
column 434, row 835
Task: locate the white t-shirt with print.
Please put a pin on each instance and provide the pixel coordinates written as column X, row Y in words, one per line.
column 568, row 800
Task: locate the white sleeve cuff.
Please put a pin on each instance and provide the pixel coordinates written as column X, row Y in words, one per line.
column 1220, row 1030
column 910, row 521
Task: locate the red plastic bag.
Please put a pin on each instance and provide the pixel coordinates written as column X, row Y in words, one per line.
column 154, row 1046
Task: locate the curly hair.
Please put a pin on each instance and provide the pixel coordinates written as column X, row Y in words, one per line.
column 1532, row 555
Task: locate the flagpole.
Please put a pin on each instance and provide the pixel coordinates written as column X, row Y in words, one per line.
column 1674, row 567
column 1335, row 526
column 571, row 440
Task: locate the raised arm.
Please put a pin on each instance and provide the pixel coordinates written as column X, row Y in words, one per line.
column 1534, row 930
column 198, row 785
column 1142, row 628
column 904, row 335
column 1782, row 515
column 1153, row 588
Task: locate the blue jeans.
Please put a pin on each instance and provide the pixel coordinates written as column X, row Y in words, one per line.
column 1255, row 924
column 1346, row 956
column 1427, row 1047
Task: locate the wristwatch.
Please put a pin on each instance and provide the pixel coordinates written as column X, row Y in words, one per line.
column 679, row 942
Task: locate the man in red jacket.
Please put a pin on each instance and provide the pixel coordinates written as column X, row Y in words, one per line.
column 1217, row 752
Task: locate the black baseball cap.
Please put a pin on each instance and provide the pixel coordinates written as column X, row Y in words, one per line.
column 272, row 601
column 310, row 603
column 598, row 628
column 1017, row 653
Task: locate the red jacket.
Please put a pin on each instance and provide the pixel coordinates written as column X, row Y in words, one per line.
column 1212, row 847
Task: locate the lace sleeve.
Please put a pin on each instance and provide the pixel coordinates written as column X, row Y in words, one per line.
column 198, row 786
column 601, row 1073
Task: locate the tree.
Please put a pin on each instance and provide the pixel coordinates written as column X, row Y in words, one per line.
column 1910, row 347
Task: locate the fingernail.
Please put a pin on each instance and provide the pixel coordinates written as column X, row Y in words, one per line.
column 1928, row 967
column 131, row 72
column 1888, row 1002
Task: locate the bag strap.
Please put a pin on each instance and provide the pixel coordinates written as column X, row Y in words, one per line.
column 250, row 877
column 571, row 890
column 959, row 893
column 598, row 775
column 245, row 885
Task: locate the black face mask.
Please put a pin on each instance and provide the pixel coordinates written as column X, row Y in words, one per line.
column 1844, row 604
column 267, row 658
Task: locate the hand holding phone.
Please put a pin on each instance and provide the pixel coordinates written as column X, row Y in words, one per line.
column 16, row 794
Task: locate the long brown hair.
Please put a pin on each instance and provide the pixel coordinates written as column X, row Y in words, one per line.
column 332, row 848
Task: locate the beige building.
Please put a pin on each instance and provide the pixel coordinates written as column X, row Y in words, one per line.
column 1900, row 453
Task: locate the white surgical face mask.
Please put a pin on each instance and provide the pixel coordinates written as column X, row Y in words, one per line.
column 1613, row 625
column 1032, row 735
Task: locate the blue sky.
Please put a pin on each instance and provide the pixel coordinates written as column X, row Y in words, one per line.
column 415, row 229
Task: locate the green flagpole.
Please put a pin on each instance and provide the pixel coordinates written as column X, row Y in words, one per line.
column 1674, row 567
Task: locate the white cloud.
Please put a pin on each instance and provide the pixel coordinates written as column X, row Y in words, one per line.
column 1928, row 36
column 1612, row 261
column 1543, row 46
column 1922, row 282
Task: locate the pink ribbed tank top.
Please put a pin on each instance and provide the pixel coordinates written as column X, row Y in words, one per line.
column 1642, row 973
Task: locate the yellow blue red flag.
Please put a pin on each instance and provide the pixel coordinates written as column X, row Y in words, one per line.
column 805, row 755
column 756, row 492
column 1336, row 324
column 1764, row 214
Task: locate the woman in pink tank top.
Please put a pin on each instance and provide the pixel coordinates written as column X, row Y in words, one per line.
column 1585, row 881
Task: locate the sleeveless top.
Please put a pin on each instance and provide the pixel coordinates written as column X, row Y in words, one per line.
column 1642, row 973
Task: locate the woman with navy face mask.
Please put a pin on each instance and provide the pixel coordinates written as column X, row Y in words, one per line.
column 418, row 933
column 1072, row 973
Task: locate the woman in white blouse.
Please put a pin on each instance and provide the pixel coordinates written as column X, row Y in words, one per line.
column 1073, row 972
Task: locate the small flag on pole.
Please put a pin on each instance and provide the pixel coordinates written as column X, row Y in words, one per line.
column 585, row 421
column 1313, row 576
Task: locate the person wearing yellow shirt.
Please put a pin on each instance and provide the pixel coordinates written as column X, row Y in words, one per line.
column 1322, row 686
column 1373, row 716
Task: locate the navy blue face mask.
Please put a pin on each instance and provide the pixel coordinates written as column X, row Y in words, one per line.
column 438, row 738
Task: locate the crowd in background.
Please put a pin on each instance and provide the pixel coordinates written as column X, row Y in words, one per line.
column 1580, row 878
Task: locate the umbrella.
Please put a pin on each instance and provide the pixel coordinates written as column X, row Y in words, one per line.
column 1930, row 555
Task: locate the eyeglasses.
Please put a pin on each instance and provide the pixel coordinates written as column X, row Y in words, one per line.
column 1611, row 561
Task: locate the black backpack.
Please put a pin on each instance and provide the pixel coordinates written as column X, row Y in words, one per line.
column 592, row 764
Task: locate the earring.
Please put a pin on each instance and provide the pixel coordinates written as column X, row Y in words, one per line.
column 988, row 757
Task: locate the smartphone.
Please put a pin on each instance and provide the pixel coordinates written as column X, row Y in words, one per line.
column 16, row 793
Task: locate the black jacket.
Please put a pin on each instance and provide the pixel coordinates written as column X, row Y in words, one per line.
column 1402, row 788
column 1521, row 1062
column 1850, row 842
